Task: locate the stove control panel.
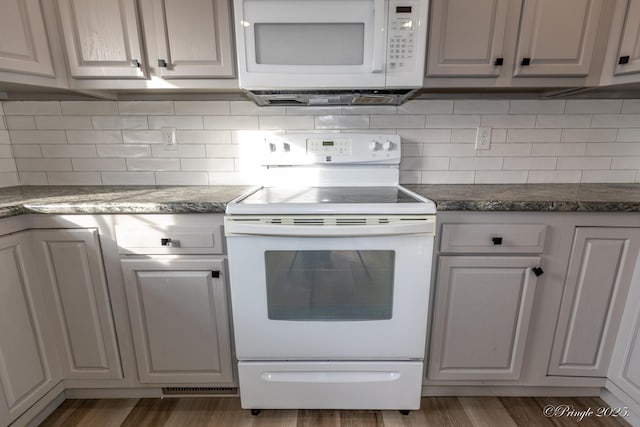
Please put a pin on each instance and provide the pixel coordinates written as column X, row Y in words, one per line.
column 341, row 148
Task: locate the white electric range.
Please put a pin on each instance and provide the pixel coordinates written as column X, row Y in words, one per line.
column 330, row 267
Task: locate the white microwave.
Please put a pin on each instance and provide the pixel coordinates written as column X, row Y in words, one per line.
column 336, row 44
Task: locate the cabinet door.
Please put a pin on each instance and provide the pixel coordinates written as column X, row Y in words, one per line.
column 467, row 37
column 190, row 42
column 71, row 262
column 600, row 269
column 628, row 60
column 481, row 317
column 179, row 318
column 23, row 42
column 102, row 38
column 557, row 37
column 4, row 409
column 27, row 370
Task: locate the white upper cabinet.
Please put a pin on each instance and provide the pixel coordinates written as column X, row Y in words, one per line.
column 557, row 38
column 23, row 41
column 102, row 38
column 189, row 42
column 467, row 38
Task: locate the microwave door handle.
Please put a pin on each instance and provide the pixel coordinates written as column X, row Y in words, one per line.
column 378, row 35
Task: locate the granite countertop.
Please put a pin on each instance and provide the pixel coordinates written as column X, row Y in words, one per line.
column 213, row 199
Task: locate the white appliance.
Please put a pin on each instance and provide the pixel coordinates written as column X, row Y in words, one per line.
column 290, row 50
column 329, row 277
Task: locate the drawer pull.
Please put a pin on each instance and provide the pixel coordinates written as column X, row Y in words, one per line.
column 168, row 243
column 497, row 241
column 538, row 271
column 215, row 274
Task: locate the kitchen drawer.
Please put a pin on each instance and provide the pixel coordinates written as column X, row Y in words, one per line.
column 492, row 238
column 192, row 236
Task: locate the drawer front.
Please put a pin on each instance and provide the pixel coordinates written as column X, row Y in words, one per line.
column 169, row 240
column 492, row 238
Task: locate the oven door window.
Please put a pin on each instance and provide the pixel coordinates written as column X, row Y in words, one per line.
column 330, row 284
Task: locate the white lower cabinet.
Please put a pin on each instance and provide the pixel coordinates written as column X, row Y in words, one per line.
column 28, row 369
column 71, row 262
column 179, row 319
column 600, row 270
column 481, row 318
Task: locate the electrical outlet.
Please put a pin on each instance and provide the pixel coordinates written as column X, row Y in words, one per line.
column 169, row 138
column 483, row 138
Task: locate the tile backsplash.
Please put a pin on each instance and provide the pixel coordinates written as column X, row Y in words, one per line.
column 119, row 142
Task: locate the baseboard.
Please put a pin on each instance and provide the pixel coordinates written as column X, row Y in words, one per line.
column 524, row 391
column 42, row 408
column 617, row 398
column 112, row 393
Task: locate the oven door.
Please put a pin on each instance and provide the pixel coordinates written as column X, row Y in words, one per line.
column 339, row 297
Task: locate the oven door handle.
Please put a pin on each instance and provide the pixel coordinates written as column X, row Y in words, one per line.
column 235, row 229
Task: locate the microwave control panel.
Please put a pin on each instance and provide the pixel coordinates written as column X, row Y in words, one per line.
column 404, row 19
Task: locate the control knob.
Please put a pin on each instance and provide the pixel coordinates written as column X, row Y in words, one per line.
column 387, row 145
column 374, row 146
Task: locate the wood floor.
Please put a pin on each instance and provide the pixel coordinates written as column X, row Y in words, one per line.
column 226, row 412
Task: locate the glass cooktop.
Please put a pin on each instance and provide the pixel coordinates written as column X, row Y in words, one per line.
column 315, row 195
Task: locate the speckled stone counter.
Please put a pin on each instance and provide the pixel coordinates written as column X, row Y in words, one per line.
column 213, row 199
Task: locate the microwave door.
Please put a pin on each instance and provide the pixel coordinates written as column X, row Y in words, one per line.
column 311, row 44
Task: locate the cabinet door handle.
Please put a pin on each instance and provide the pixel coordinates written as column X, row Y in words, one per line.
column 497, row 241
column 134, row 63
column 215, row 274
column 162, row 63
column 538, row 271
column 525, row 62
column 498, row 61
column 623, row 60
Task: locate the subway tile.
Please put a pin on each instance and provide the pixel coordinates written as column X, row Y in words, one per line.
column 144, row 137
column 411, row 149
column 63, row 122
column 33, row 178
column 27, row 151
column 20, row 122
column 369, row 109
column 87, row 165
column 509, row 121
column 38, row 137
column 145, row 108
column 1, row 109
column 223, row 150
column 3, row 122
column 563, row 121
column 231, row 122
column 534, row 106
column 146, row 164
column 304, row 111
column 128, row 178
column 201, row 108
column 501, row 177
column 182, row 178
column 119, row 122
column 249, row 108
column 464, row 136
column 68, row 151
column 74, row 178
column 89, row 108
column 397, row 121
column 4, row 137
column 425, row 106
column 453, row 121
column 285, row 122
column 630, row 106
column 448, row 150
column 424, row 163
column 547, row 177
column 410, row 177
column 533, row 135
column 43, row 165
column 207, row 164
column 481, row 106
column 558, row 149
column 588, row 135
column 5, row 151
column 123, row 150
column 615, row 121
column 425, row 135
column 342, row 122
column 9, row 179
column 447, row 177
column 31, row 108
column 203, row 136
column 627, row 162
column 95, row 137
column 583, row 163
column 627, row 135
column 529, row 163
column 506, row 150
column 7, row 165
column 178, row 122
column 593, row 176
column 617, row 149
column 475, row 163
column 497, row 135
column 186, row 150
column 231, row 178
column 595, row 106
